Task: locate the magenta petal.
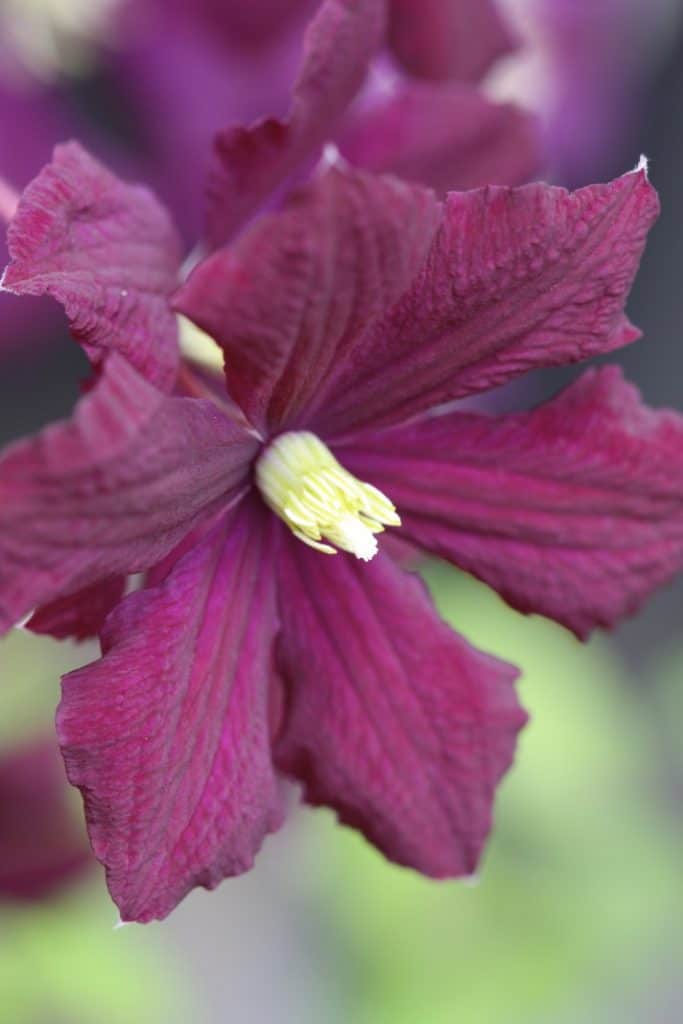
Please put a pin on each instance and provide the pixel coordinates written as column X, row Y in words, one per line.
column 574, row 510
column 252, row 25
column 516, row 279
column 168, row 734
column 393, row 720
column 108, row 253
column 251, row 162
column 447, row 137
column 294, row 294
column 448, row 38
column 80, row 615
column 41, row 846
column 111, row 490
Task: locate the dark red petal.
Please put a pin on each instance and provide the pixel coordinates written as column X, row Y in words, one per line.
column 251, row 162
column 168, row 737
column 393, row 720
column 574, row 510
column 292, row 296
column 111, row 490
column 447, row 137
column 516, row 279
column 448, row 38
column 80, row 615
column 108, row 253
column 41, row 846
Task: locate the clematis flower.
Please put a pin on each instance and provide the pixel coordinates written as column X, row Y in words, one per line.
column 276, row 635
column 444, row 136
column 41, row 847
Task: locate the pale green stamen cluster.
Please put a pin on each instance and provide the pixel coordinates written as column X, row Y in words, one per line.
column 303, row 483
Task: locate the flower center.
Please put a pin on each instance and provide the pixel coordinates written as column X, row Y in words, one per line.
column 302, row 482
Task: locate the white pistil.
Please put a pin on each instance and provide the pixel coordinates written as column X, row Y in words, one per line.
column 198, row 346
column 320, row 501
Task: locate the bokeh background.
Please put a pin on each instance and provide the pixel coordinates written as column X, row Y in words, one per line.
column 577, row 915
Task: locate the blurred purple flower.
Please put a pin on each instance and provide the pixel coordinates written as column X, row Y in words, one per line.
column 24, row 151
column 448, row 39
column 585, row 67
column 249, row 654
column 179, row 77
column 41, row 846
column 598, row 56
column 442, row 136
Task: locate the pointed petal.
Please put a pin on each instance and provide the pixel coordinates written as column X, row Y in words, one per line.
column 168, row 736
column 112, row 490
column 448, row 38
column 574, row 510
column 516, row 279
column 41, row 846
column 80, row 615
column 296, row 291
column 108, row 253
column 393, row 720
column 447, row 137
column 251, row 162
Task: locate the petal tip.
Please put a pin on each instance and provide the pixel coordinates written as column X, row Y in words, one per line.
column 643, row 166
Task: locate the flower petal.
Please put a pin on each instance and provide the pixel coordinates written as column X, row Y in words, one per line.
column 41, row 846
column 253, row 26
column 574, row 510
column 251, row 162
column 290, row 297
column 448, row 38
column 108, row 253
column 393, row 719
column 168, row 735
column 112, row 490
column 516, row 279
column 80, row 615
column 447, row 137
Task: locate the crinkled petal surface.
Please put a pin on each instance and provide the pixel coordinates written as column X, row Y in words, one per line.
column 516, row 279
column 393, row 720
column 80, row 615
column 574, row 510
column 108, row 253
column 441, row 39
column 41, row 846
column 50, row 119
column 168, row 735
column 251, row 162
column 112, row 490
column 293, row 295
column 447, row 137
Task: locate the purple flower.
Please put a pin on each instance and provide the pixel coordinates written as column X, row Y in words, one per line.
column 180, row 78
column 24, row 103
column 252, row 653
column 585, row 67
column 445, row 136
column 41, row 847
column 448, row 39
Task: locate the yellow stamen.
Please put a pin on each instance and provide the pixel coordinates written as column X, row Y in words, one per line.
column 198, row 346
column 318, row 499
